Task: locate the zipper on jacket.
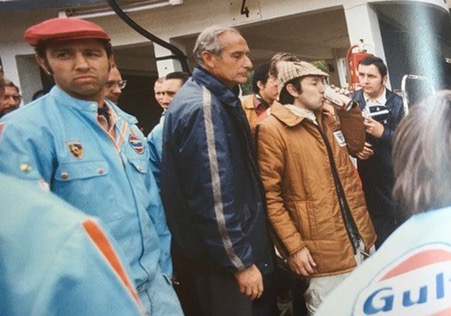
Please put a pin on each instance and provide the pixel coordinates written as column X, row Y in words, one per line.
column 350, row 225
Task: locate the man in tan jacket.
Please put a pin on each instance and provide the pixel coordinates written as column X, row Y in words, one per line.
column 266, row 91
column 315, row 203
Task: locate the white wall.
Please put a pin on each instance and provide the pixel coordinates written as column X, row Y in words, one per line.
column 177, row 21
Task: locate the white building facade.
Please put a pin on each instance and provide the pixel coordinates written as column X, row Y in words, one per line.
column 412, row 36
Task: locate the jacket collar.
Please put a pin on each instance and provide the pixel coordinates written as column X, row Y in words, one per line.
column 285, row 116
column 216, row 87
column 252, row 104
column 360, row 97
column 65, row 99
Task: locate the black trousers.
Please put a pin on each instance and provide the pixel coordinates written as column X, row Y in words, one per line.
column 217, row 294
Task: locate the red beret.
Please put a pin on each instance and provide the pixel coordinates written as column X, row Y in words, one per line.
column 63, row 29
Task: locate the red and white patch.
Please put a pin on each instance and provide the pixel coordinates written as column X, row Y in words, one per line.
column 75, row 148
column 136, row 144
column 417, row 283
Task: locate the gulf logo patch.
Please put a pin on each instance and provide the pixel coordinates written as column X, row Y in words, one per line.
column 340, row 138
column 136, row 144
column 75, row 148
column 418, row 283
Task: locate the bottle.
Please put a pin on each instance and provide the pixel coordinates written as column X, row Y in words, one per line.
column 338, row 99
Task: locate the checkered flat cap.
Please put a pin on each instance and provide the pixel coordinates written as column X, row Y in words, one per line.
column 289, row 70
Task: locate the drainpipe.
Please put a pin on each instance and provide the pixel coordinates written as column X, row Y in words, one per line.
column 177, row 53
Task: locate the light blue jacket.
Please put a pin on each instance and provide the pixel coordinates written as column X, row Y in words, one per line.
column 58, row 139
column 50, row 259
column 155, row 141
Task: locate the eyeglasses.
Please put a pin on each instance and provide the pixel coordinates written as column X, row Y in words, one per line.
column 120, row 84
column 16, row 98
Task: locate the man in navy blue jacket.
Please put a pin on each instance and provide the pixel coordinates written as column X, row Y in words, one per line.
column 374, row 162
column 211, row 187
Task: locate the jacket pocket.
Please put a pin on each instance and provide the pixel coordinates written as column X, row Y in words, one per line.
column 140, row 165
column 304, row 218
column 88, row 186
column 144, row 185
column 81, row 170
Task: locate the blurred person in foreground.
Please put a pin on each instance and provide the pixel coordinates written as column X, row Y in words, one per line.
column 410, row 273
column 91, row 153
column 210, row 184
column 56, row 260
column 316, row 206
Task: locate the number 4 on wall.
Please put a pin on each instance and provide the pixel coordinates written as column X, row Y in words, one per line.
column 243, row 11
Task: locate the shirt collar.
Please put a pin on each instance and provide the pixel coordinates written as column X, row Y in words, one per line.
column 382, row 99
column 302, row 113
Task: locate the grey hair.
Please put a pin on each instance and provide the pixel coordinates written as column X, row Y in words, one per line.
column 208, row 41
column 422, row 156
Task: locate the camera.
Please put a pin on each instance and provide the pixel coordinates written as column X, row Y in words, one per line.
column 377, row 112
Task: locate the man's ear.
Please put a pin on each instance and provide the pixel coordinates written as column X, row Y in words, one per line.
column 384, row 80
column 260, row 85
column 292, row 90
column 208, row 59
column 43, row 64
column 111, row 62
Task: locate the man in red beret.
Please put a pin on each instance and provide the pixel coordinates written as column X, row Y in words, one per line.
column 92, row 154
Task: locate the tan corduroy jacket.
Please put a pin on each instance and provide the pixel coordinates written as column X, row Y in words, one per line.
column 303, row 205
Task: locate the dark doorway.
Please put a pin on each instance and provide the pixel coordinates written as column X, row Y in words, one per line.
column 138, row 100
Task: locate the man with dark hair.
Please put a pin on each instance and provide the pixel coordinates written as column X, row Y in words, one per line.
column 11, row 99
column 171, row 84
column 210, row 182
column 114, row 84
column 374, row 161
column 316, row 206
column 91, row 153
column 266, row 91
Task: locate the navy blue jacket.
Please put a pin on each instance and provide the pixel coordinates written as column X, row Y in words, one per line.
column 377, row 171
column 210, row 185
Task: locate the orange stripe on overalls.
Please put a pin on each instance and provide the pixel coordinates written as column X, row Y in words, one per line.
column 102, row 243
